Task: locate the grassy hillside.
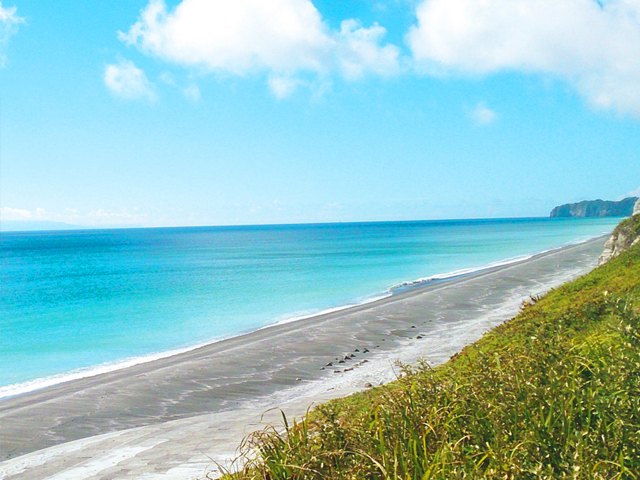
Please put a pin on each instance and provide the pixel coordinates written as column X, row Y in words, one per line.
column 629, row 229
column 552, row 394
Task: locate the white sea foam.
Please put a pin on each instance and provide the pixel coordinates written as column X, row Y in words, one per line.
column 436, row 347
column 502, row 263
column 462, row 272
column 309, row 314
column 40, row 383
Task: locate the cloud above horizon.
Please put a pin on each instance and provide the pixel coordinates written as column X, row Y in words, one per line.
column 284, row 38
column 127, row 81
column 73, row 216
column 594, row 47
column 18, row 214
column 634, row 193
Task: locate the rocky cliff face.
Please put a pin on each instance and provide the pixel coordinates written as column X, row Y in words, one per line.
column 596, row 208
column 624, row 236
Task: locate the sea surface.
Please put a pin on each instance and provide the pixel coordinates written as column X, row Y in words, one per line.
column 76, row 303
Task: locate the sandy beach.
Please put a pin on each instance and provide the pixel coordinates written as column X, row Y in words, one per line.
column 174, row 418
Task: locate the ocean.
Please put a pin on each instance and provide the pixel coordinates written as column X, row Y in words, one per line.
column 77, row 303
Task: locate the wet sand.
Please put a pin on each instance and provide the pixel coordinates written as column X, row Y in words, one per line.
column 171, row 418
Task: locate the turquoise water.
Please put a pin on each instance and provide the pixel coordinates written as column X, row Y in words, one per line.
column 74, row 302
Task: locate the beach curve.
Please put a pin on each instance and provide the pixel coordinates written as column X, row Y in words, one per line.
column 215, row 392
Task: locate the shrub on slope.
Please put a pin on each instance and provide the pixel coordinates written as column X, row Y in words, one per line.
column 552, row 394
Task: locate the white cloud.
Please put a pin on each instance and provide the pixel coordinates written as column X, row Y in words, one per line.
column 594, row 47
column 282, row 86
column 483, row 115
column 360, row 51
column 102, row 217
column 127, row 81
column 12, row 214
column 9, row 21
column 281, row 37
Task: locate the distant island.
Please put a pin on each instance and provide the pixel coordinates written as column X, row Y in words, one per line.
column 45, row 225
column 33, row 226
column 596, row 208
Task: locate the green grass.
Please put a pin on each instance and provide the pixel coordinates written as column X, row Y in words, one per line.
column 552, row 394
column 629, row 227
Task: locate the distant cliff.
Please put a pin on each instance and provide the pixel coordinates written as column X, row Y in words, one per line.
column 596, row 208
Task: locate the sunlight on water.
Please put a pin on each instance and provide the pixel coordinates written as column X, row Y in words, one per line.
column 78, row 299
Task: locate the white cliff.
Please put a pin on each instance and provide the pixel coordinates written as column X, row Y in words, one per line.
column 621, row 239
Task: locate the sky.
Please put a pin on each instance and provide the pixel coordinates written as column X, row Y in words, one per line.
column 209, row 112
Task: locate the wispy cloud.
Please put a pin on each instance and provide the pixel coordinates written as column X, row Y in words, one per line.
column 102, row 214
column 483, row 115
column 591, row 45
column 192, row 93
column 9, row 22
column 634, row 193
column 282, row 86
column 284, row 38
column 127, row 81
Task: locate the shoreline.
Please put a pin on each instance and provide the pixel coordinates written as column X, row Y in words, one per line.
column 22, row 388
column 221, row 387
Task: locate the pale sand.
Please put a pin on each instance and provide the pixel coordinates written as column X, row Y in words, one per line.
column 172, row 418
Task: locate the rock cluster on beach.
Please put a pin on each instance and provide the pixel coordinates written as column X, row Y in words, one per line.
column 343, row 365
column 177, row 417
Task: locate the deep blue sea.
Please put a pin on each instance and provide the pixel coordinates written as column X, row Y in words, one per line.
column 73, row 303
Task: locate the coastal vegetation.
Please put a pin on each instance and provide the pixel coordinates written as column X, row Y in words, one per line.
column 552, row 394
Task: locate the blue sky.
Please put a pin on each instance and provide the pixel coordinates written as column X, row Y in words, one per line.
column 203, row 112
